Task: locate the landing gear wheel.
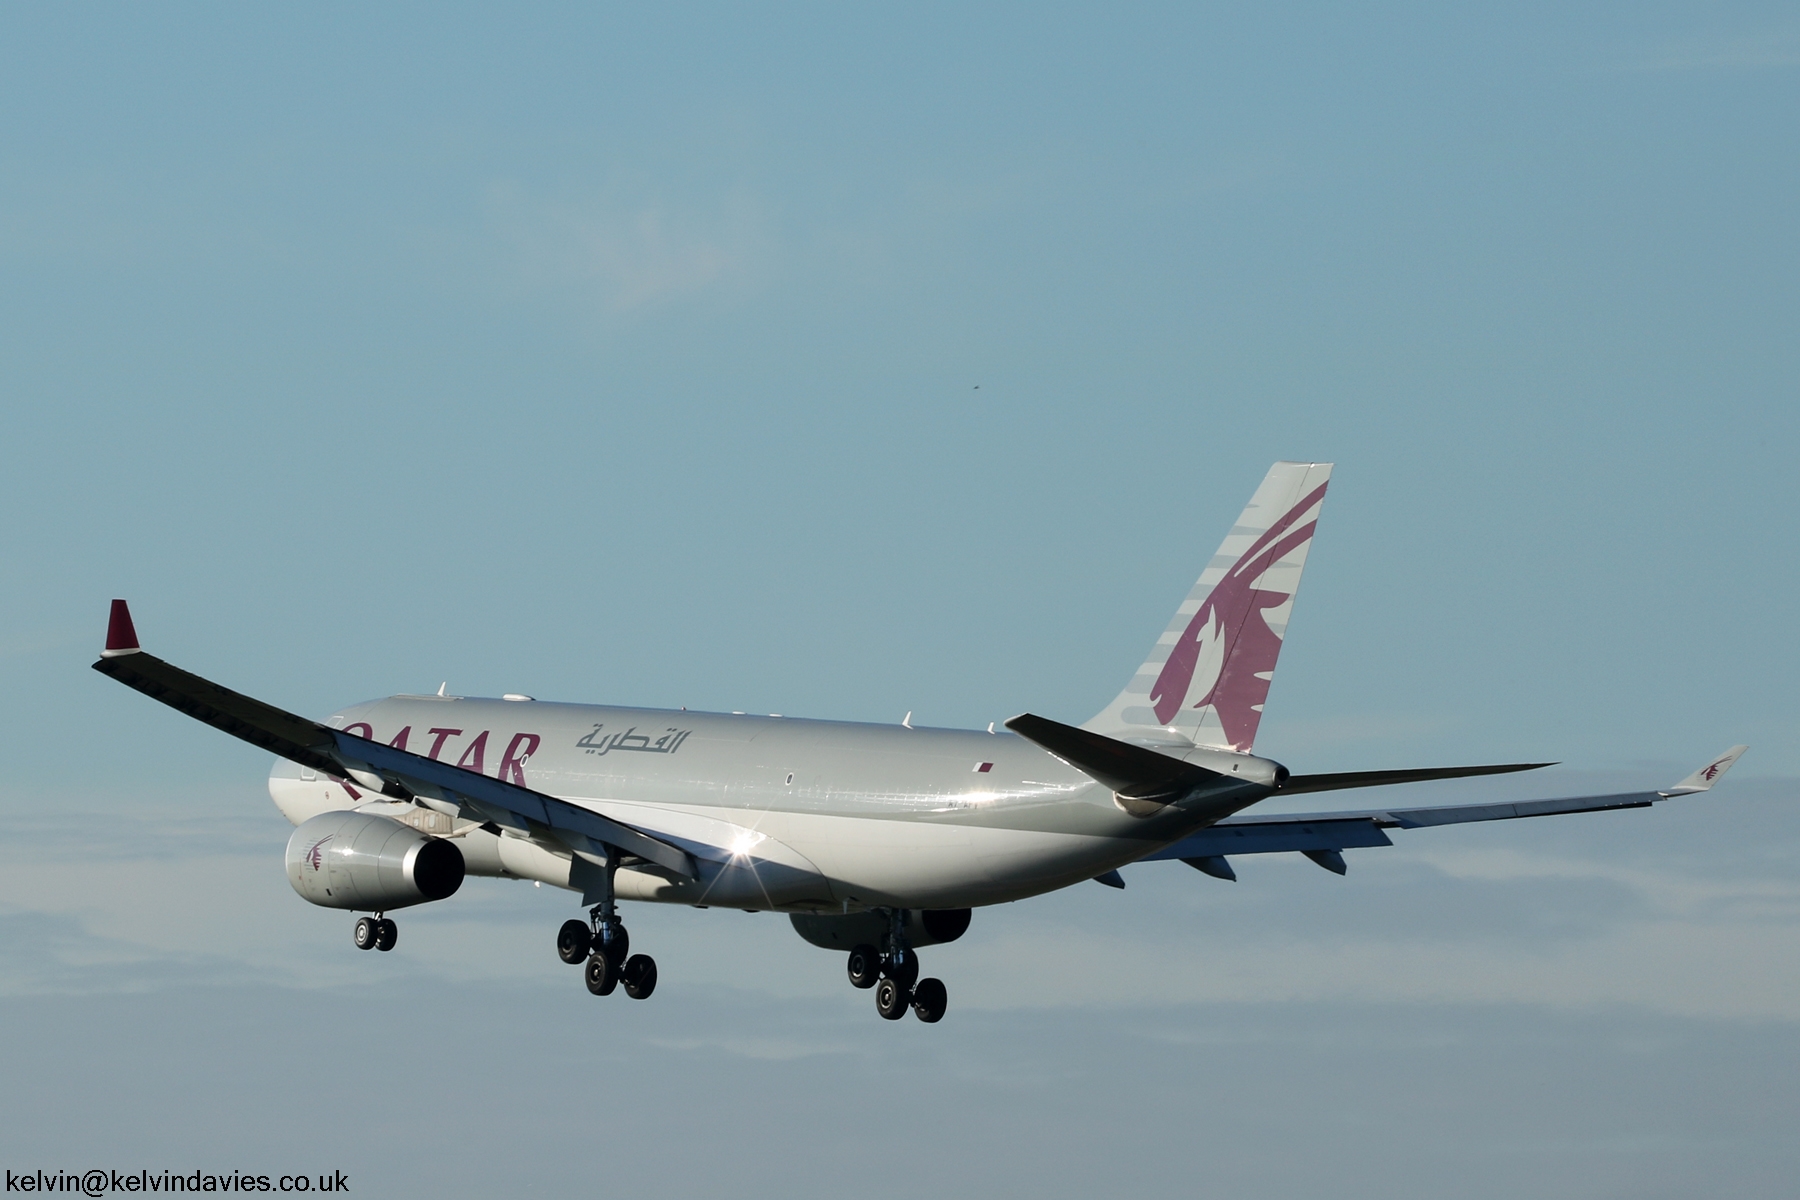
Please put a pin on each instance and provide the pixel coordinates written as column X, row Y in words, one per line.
column 366, row 933
column 639, row 976
column 891, row 1000
column 602, row 974
column 929, row 1000
column 617, row 947
column 386, row 934
column 573, row 941
column 905, row 972
column 864, row 966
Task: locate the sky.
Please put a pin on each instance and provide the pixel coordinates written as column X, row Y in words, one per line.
column 854, row 361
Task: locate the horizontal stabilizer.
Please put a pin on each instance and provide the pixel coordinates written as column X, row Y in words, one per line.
column 1131, row 771
column 1356, row 779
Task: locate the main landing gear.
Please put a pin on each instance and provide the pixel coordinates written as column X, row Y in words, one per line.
column 376, row 933
column 894, row 974
column 605, row 946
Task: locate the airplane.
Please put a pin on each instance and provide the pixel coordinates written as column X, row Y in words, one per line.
column 875, row 840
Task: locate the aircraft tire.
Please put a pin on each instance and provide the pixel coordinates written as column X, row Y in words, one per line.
column 602, row 976
column 386, row 934
column 366, row 934
column 891, row 1000
column 904, row 973
column 864, row 966
column 573, row 941
column 929, row 1000
column 639, row 976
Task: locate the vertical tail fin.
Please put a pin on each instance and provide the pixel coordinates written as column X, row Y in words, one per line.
column 1209, row 673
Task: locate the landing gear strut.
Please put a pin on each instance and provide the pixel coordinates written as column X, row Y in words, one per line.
column 893, row 971
column 605, row 946
column 376, row 933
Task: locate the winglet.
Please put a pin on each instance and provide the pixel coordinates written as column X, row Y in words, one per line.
column 1708, row 775
column 121, row 636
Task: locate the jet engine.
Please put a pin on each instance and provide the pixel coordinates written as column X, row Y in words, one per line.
column 923, row 927
column 357, row 860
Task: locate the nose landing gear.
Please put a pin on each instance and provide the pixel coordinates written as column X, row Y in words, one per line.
column 376, row 933
column 894, row 974
column 605, row 947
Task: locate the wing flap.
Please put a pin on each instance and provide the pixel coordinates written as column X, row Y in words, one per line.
column 1277, row 833
column 1228, row 838
column 1457, row 814
column 1357, row 779
column 1312, row 833
column 1308, row 832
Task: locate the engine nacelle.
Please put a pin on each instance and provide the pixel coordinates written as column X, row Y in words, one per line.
column 356, row 860
column 924, row 927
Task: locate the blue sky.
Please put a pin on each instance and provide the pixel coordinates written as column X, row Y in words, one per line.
column 850, row 362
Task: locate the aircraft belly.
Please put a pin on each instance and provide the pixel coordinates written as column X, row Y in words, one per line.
column 871, row 862
column 1028, row 862
column 742, row 862
column 867, row 862
column 528, row 860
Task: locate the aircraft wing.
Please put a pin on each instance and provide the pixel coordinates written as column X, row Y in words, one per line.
column 1324, row 836
column 396, row 773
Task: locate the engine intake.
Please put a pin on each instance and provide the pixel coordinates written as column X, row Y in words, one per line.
column 357, row 860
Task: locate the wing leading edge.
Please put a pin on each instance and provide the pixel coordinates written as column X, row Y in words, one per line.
column 1323, row 836
column 395, row 773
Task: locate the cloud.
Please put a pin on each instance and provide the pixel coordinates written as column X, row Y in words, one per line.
column 38, row 641
column 1689, row 911
column 628, row 249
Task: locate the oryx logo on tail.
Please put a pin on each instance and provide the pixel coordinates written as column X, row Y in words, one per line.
column 1239, row 652
column 1208, row 675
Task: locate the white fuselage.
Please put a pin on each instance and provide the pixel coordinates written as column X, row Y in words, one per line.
column 779, row 813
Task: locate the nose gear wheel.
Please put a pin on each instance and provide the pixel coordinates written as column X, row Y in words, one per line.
column 376, row 933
